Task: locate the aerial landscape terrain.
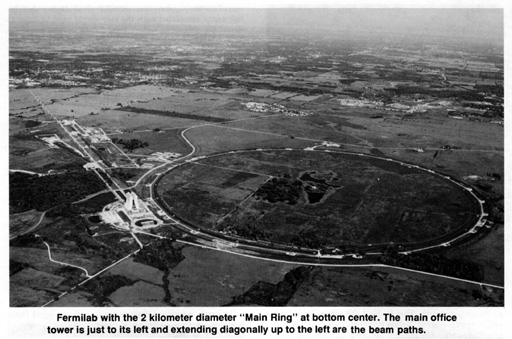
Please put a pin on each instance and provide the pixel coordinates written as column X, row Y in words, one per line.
column 252, row 158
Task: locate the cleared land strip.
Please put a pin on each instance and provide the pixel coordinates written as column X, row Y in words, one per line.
column 231, row 169
column 171, row 114
column 26, row 172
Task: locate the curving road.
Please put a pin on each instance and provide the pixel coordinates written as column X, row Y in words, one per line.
column 266, row 250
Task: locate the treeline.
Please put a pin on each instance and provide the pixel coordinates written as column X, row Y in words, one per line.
column 173, row 114
column 69, row 210
column 497, row 90
column 123, row 174
column 160, row 254
column 42, row 193
column 281, row 190
column 267, row 294
column 32, row 123
column 495, row 111
column 301, row 90
column 434, row 263
column 307, row 239
column 249, row 229
column 442, row 94
column 104, row 285
column 130, row 144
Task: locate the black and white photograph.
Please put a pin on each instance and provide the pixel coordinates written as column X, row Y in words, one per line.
column 256, row 157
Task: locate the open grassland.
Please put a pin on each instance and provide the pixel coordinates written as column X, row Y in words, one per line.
column 388, row 287
column 48, row 94
column 169, row 140
column 22, row 222
column 487, row 251
column 21, row 100
column 383, row 133
column 114, row 121
column 213, row 278
column 28, row 152
column 36, row 279
column 22, row 296
column 433, row 133
column 185, row 102
column 219, row 138
column 95, row 102
column 19, row 147
column 296, row 127
column 139, row 294
column 136, row 271
column 44, row 160
column 76, row 299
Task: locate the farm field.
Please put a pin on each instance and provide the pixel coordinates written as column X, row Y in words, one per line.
column 212, row 278
column 385, row 288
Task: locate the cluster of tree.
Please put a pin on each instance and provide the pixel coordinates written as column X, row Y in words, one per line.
column 442, row 94
column 69, row 210
column 496, row 111
column 160, row 254
column 434, row 263
column 123, row 174
column 306, row 239
column 494, row 175
column 475, row 105
column 249, row 230
column 104, row 285
column 26, row 240
column 267, row 294
column 41, row 193
column 130, row 144
column 32, row 123
column 16, row 266
column 281, row 190
column 497, row 90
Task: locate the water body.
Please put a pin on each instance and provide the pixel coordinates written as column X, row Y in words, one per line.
column 316, row 187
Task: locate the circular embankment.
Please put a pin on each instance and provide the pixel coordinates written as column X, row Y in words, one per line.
column 320, row 199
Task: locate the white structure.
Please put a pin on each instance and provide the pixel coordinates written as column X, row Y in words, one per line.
column 132, row 203
column 132, row 214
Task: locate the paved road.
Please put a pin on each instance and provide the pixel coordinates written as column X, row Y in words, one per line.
column 31, row 228
column 440, row 242
column 260, row 249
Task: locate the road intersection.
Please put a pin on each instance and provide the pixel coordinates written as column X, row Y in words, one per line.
column 146, row 186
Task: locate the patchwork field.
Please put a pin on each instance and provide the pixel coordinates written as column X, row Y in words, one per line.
column 346, row 200
column 302, row 198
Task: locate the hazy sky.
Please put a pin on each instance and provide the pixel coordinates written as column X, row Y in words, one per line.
column 480, row 24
